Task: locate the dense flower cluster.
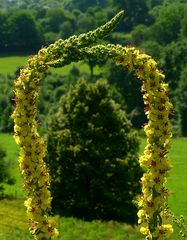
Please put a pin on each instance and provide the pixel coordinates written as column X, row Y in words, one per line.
column 153, row 200
column 36, row 176
column 32, row 147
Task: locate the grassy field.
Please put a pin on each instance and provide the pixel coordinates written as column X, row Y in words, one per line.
column 177, row 180
column 13, row 225
column 10, row 62
column 13, row 218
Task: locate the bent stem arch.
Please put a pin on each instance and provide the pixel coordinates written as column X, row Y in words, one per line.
column 153, row 200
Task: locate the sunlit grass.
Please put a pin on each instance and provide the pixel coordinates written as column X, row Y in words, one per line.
column 10, row 63
column 177, row 179
column 13, row 225
column 13, row 222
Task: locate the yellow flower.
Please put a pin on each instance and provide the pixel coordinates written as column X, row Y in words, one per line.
column 147, row 179
column 55, row 234
column 145, row 231
column 28, row 202
column 144, row 161
column 141, row 215
column 164, row 231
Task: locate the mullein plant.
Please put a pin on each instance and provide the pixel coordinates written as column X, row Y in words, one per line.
column 153, row 199
column 152, row 212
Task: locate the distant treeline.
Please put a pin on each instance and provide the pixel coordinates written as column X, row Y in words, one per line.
column 27, row 25
column 158, row 27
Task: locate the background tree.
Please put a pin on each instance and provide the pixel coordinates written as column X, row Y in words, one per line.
column 136, row 13
column 167, row 25
column 6, row 123
column 129, row 86
column 82, row 5
column 23, row 32
column 53, row 19
column 174, row 59
column 5, row 176
column 182, row 101
column 3, row 31
column 92, row 156
column 153, row 3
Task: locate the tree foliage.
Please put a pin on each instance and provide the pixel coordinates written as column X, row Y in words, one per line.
column 6, row 124
column 20, row 32
column 92, row 156
column 5, row 176
column 174, row 61
column 167, row 25
column 136, row 13
column 129, row 86
column 182, row 101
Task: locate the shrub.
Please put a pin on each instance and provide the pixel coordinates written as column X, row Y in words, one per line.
column 92, row 156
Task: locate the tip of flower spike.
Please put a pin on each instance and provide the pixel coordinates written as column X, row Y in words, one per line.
column 116, row 19
column 84, row 40
column 105, row 29
column 120, row 14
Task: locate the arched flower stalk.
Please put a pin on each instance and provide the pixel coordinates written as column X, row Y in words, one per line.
column 153, row 200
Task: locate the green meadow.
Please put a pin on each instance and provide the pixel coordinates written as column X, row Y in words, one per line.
column 10, row 63
column 177, row 179
column 13, row 217
column 13, row 225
